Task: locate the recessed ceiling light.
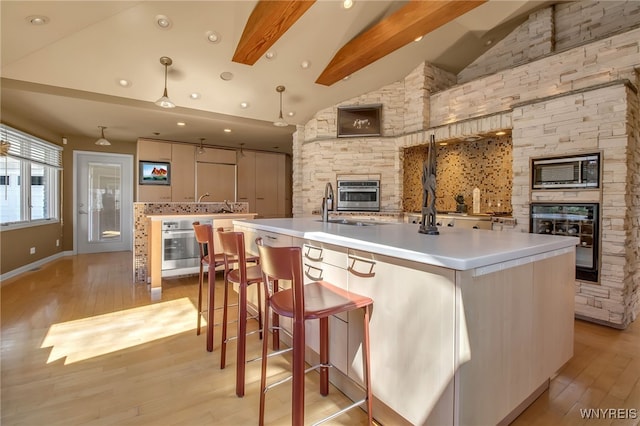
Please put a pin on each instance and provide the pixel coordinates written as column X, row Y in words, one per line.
column 417, row 39
column 270, row 54
column 181, row 123
column 291, row 113
column 195, row 95
column 124, row 82
column 163, row 22
column 347, row 4
column 227, row 130
column 37, row 20
column 488, row 42
column 305, row 64
column 244, row 104
column 213, row 37
column 226, row 76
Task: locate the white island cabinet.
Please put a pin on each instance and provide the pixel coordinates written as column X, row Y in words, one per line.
column 467, row 326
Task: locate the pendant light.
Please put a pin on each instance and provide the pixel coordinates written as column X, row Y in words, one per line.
column 201, row 148
column 164, row 101
column 102, row 141
column 280, row 121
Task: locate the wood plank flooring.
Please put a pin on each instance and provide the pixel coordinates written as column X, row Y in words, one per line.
column 82, row 345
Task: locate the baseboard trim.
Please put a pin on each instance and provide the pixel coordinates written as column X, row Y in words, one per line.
column 32, row 265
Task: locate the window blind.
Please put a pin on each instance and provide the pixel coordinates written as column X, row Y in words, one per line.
column 27, row 147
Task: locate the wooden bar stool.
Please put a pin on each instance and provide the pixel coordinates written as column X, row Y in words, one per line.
column 316, row 300
column 233, row 249
column 204, row 237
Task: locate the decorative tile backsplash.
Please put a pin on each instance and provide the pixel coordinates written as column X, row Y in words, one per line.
column 460, row 167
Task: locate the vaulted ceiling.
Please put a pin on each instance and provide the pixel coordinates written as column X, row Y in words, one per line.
column 65, row 72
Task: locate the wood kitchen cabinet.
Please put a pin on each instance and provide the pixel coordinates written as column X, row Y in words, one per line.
column 154, row 150
column 264, row 181
column 219, row 180
column 413, row 310
column 183, row 180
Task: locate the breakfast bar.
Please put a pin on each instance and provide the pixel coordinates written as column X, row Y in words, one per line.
column 467, row 327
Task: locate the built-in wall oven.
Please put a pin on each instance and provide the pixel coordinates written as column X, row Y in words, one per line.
column 180, row 250
column 579, row 220
column 358, row 195
column 575, row 171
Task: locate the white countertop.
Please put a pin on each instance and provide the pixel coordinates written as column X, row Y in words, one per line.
column 455, row 248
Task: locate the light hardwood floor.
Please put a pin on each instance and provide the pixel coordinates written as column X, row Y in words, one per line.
column 82, row 345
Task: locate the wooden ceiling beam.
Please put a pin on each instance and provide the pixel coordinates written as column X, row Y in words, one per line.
column 267, row 23
column 415, row 19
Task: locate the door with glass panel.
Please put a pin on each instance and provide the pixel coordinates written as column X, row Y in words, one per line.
column 103, row 202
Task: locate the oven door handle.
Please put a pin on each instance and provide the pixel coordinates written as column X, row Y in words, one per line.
column 178, row 231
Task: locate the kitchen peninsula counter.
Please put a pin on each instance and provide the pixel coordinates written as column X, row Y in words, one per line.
column 467, row 326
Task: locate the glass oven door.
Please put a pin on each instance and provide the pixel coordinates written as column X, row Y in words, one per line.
column 179, row 249
column 578, row 220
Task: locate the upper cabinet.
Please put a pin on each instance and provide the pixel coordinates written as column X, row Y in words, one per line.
column 264, row 181
column 247, row 178
column 154, row 150
column 215, row 155
column 182, row 172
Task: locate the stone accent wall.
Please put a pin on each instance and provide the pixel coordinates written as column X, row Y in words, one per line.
column 574, row 101
column 485, row 164
column 531, row 40
column 581, row 22
column 585, row 66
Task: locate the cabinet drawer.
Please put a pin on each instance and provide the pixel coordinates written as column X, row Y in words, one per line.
column 275, row 240
column 328, row 254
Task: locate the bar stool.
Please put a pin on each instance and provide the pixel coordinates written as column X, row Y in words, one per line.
column 233, row 249
column 204, row 237
column 316, row 300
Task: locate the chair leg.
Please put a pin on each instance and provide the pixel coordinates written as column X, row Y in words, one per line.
column 211, row 275
column 297, row 386
column 367, row 367
column 324, row 356
column 241, row 355
column 259, row 311
column 225, row 304
column 200, row 282
column 276, row 323
column 263, row 373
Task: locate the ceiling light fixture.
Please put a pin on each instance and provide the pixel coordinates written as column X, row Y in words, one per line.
column 201, row 148
column 195, row 95
column 213, row 37
column 241, row 153
column 164, row 101
column 270, row 54
column 102, row 141
column 417, row 39
column 124, row 82
column 244, row 105
column 305, row 64
column 37, row 20
column 280, row 121
column 347, row 4
column 181, row 123
column 163, row 22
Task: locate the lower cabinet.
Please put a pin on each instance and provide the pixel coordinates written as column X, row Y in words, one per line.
column 413, row 307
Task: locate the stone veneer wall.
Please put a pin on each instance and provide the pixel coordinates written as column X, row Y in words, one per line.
column 521, row 98
column 485, row 164
column 140, row 234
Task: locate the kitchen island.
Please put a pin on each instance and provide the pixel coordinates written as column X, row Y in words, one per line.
column 467, row 326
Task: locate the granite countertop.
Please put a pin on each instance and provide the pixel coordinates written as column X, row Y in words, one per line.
column 455, row 248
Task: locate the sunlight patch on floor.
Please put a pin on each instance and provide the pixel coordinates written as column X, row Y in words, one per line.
column 86, row 338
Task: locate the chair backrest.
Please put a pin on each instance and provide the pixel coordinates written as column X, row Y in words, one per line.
column 284, row 263
column 232, row 246
column 204, row 237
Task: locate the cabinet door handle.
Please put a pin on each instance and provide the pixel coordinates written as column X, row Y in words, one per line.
column 357, row 273
column 307, row 253
column 311, row 277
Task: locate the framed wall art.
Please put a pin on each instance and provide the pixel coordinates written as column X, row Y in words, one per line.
column 361, row 120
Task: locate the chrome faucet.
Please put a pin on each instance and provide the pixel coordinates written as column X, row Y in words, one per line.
column 206, row 194
column 327, row 201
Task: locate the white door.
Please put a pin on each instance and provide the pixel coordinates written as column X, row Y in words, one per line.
column 103, row 202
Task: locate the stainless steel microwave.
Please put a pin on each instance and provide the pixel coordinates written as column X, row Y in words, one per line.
column 581, row 171
column 360, row 195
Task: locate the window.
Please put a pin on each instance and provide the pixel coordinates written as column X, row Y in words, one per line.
column 25, row 158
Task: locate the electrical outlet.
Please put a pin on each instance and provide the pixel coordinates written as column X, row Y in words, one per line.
column 57, row 243
column 32, row 250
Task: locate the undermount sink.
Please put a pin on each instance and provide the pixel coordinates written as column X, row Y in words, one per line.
column 349, row 222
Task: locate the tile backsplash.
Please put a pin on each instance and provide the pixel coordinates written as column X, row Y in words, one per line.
column 460, row 167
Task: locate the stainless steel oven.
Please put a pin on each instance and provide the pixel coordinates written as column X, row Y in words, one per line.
column 179, row 246
column 358, row 195
column 578, row 220
column 582, row 171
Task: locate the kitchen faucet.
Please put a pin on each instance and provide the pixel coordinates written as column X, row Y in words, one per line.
column 206, row 194
column 327, row 201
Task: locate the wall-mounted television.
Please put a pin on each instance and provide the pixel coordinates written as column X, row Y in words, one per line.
column 154, row 173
